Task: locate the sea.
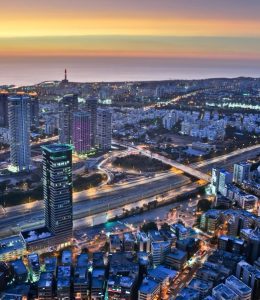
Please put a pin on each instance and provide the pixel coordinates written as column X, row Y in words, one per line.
column 33, row 70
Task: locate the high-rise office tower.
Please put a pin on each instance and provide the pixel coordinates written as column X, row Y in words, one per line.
column 91, row 107
column 3, row 109
column 81, row 132
column 225, row 178
column 215, row 180
column 19, row 125
column 241, row 172
column 104, row 129
column 34, row 110
column 67, row 106
column 57, row 190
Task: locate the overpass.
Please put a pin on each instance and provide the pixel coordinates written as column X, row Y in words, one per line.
column 186, row 169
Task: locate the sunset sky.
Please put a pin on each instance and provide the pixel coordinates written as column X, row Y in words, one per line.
column 222, row 29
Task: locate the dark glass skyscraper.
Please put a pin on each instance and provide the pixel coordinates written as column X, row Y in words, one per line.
column 67, row 106
column 34, row 110
column 57, row 189
column 104, row 129
column 91, row 107
column 81, row 132
column 3, row 109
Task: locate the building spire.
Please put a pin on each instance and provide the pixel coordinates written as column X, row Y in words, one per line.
column 65, row 75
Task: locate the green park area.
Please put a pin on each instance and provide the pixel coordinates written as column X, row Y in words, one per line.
column 140, row 163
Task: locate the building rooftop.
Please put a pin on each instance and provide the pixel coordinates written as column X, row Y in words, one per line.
column 18, row 266
column 142, row 236
column 122, row 262
column 46, row 280
column 225, row 258
column 143, row 258
column 224, row 292
column 82, row 260
column 129, row 237
column 98, row 260
column 212, row 213
column 63, row 278
column 55, row 148
column 66, row 257
column 36, row 234
column 115, row 281
column 155, row 236
column 232, row 238
column 50, row 264
column 161, row 273
column 17, row 292
column 238, row 285
column 250, row 268
column 159, row 245
column 81, row 275
column 199, row 284
column 34, row 261
column 188, row 294
column 177, row 254
column 148, row 286
column 98, row 276
column 11, row 244
column 180, row 227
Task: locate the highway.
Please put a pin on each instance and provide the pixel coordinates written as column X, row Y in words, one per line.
column 87, row 203
column 230, row 158
column 106, row 198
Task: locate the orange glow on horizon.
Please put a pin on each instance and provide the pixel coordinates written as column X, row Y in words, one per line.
column 120, row 33
column 35, row 26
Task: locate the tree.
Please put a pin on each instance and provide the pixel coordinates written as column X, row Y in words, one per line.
column 203, row 205
column 149, row 226
column 165, row 226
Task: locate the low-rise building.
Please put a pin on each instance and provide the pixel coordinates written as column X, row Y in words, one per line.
column 159, row 251
column 250, row 275
column 11, row 248
column 149, row 289
column 231, row 244
column 129, row 241
column 114, row 243
column 243, row 291
column 188, row 294
column 176, row 259
column 64, row 282
column 20, row 271
column 81, row 280
column 46, row 286
column 210, row 221
column 202, row 286
column 223, row 292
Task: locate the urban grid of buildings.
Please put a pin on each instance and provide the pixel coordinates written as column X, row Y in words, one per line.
column 215, row 258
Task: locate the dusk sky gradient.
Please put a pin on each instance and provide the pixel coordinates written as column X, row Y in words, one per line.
column 111, row 40
column 146, row 28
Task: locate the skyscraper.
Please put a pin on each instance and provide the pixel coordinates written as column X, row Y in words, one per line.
column 225, row 178
column 215, row 180
column 81, row 132
column 19, row 125
column 67, row 106
column 34, row 110
column 104, row 129
column 57, row 189
column 3, row 109
column 91, row 107
column 241, row 172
